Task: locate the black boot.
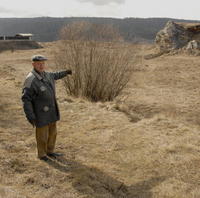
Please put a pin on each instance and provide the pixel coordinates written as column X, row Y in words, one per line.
column 44, row 158
column 54, row 155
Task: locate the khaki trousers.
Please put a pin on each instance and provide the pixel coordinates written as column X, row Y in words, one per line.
column 46, row 139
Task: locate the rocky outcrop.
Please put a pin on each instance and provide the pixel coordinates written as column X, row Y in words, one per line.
column 193, row 45
column 178, row 35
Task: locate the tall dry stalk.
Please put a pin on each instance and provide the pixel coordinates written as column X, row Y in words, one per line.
column 100, row 63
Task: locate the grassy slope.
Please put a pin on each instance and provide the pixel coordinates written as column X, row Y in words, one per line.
column 146, row 146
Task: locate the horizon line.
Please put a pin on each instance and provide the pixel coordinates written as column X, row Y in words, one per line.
column 99, row 17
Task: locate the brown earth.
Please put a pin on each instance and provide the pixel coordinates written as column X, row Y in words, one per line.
column 146, row 144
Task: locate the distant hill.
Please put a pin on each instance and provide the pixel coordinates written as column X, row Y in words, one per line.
column 46, row 29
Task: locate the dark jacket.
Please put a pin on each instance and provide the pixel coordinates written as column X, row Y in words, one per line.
column 38, row 97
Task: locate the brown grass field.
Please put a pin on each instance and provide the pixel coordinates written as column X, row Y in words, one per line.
column 145, row 144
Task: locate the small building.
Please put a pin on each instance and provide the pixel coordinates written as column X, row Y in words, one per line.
column 19, row 36
column 24, row 36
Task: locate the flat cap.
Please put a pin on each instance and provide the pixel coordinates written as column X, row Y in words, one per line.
column 38, row 58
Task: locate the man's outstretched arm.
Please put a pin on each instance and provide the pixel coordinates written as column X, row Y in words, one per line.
column 61, row 74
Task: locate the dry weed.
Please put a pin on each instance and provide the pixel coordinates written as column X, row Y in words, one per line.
column 101, row 65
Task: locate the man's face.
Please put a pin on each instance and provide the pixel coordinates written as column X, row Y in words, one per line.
column 39, row 66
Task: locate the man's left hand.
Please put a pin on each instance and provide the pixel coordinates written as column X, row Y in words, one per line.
column 32, row 122
column 69, row 71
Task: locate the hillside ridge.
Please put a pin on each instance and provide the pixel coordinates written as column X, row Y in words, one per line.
column 46, row 29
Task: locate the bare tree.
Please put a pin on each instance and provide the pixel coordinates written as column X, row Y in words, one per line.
column 99, row 59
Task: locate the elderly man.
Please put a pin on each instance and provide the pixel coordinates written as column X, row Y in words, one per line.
column 40, row 105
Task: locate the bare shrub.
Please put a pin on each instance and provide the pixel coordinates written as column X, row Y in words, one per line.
column 100, row 63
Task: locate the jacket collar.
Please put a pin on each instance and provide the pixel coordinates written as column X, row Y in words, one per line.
column 36, row 74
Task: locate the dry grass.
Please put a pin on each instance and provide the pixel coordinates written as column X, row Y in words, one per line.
column 106, row 155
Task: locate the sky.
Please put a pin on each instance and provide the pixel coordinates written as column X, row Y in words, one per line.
column 181, row 9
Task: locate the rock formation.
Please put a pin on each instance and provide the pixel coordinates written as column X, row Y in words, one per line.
column 193, row 45
column 178, row 35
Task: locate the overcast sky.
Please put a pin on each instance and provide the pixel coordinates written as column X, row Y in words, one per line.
column 188, row 9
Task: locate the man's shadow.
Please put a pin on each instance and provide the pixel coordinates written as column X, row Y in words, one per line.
column 97, row 184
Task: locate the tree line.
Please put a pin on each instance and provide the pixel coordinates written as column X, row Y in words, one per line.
column 46, row 29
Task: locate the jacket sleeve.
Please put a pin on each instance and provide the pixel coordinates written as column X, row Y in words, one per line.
column 28, row 95
column 59, row 75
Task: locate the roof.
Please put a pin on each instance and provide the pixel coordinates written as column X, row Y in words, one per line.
column 24, row 34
